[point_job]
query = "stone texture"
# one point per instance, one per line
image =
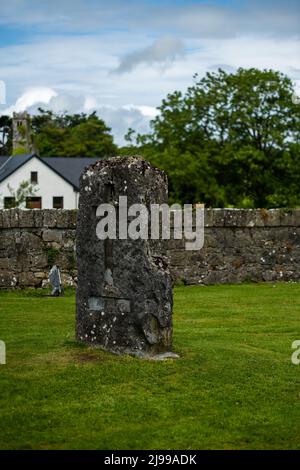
(124, 295)
(251, 245)
(52, 235)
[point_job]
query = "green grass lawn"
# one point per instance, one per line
(234, 386)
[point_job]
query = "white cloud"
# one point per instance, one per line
(147, 111)
(118, 118)
(73, 72)
(30, 98)
(90, 103)
(74, 75)
(82, 66)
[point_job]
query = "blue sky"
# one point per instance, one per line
(122, 57)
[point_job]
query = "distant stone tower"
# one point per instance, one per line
(22, 140)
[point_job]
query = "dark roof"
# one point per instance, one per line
(69, 168)
(11, 164)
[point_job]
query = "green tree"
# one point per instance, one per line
(77, 135)
(240, 132)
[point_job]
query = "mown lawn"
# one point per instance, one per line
(234, 386)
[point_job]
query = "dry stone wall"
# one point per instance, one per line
(31, 242)
(240, 245)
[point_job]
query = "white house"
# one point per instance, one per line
(55, 180)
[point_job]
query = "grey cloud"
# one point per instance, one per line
(163, 50)
(65, 15)
(255, 17)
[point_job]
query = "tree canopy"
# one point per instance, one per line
(232, 139)
(65, 135)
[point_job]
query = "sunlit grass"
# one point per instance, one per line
(234, 385)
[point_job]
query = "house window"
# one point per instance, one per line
(33, 203)
(58, 202)
(34, 177)
(9, 202)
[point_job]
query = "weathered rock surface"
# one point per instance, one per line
(124, 295)
(239, 245)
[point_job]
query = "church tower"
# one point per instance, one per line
(22, 140)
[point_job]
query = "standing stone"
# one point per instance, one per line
(124, 296)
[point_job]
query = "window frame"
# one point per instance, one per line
(37, 177)
(12, 199)
(38, 198)
(62, 200)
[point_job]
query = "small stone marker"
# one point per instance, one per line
(124, 295)
(55, 280)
